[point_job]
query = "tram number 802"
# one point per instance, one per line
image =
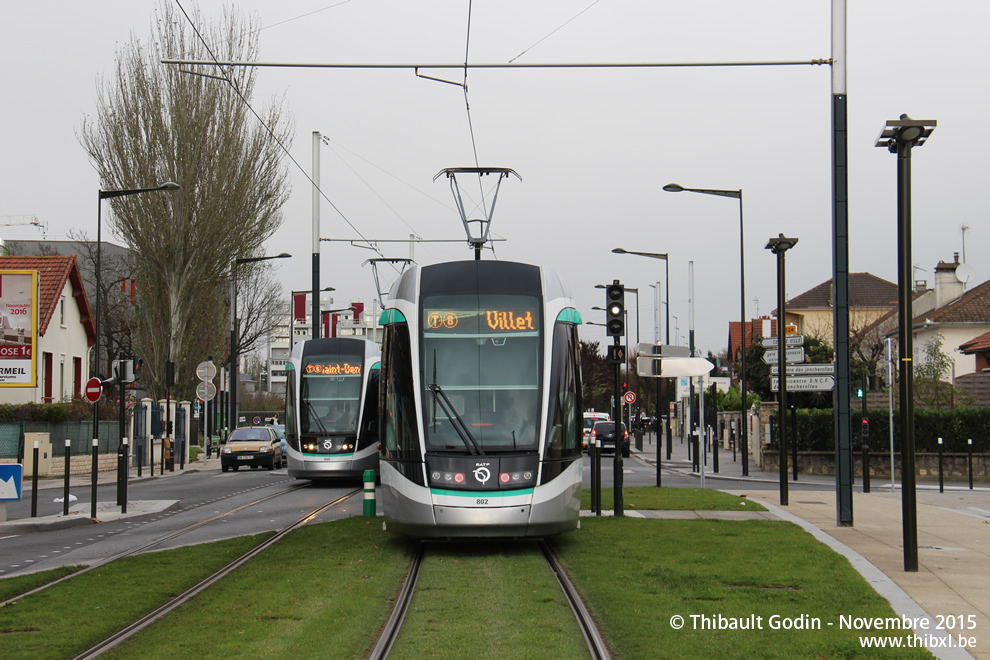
(482, 500)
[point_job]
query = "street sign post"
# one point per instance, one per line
(790, 340)
(805, 369)
(793, 354)
(94, 388)
(804, 383)
(206, 390)
(663, 350)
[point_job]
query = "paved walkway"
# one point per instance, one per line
(953, 577)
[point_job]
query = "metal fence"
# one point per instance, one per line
(80, 435)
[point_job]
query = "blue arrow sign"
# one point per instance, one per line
(11, 475)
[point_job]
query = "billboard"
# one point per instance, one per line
(18, 328)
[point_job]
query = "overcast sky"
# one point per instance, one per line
(593, 147)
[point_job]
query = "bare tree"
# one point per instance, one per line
(156, 123)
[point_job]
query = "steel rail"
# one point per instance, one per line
(193, 591)
(151, 544)
(596, 643)
(394, 624)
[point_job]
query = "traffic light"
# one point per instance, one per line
(615, 322)
(859, 392)
(866, 428)
(616, 354)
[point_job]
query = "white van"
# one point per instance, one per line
(589, 420)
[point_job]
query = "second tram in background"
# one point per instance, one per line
(481, 402)
(331, 408)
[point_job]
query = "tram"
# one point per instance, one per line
(331, 408)
(481, 402)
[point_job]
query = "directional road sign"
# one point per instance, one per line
(804, 383)
(793, 354)
(789, 340)
(11, 475)
(663, 350)
(685, 367)
(94, 387)
(805, 369)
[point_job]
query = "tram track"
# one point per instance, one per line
(158, 541)
(154, 616)
(597, 648)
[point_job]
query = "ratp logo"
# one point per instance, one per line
(482, 475)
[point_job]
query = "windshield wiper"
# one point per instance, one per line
(463, 432)
(313, 415)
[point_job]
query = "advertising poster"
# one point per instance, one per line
(18, 327)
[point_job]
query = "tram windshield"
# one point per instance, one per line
(330, 394)
(481, 372)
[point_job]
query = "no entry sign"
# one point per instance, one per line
(94, 388)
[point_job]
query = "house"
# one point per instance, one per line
(66, 330)
(760, 327)
(870, 298)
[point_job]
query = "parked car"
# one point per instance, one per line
(254, 446)
(589, 420)
(604, 434)
(280, 432)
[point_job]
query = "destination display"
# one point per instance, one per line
(333, 368)
(492, 320)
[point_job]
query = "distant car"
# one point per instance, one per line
(254, 446)
(280, 432)
(589, 420)
(604, 434)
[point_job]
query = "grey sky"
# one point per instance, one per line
(594, 147)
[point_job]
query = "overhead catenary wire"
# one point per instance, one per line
(215, 62)
(558, 28)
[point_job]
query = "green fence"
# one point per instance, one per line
(80, 435)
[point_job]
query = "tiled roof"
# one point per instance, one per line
(976, 345)
(972, 307)
(53, 274)
(865, 291)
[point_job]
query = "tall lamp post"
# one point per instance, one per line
(235, 366)
(661, 405)
(107, 194)
(735, 194)
(900, 136)
(779, 246)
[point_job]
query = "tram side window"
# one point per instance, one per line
(291, 430)
(369, 419)
(563, 442)
(400, 436)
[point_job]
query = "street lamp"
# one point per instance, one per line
(899, 136)
(235, 366)
(107, 194)
(779, 246)
(666, 263)
(735, 194)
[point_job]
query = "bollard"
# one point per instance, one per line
(96, 465)
(715, 447)
(65, 488)
(127, 473)
(866, 468)
(969, 449)
(941, 483)
(120, 472)
(140, 459)
(182, 456)
(34, 483)
(369, 492)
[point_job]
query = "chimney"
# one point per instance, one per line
(947, 285)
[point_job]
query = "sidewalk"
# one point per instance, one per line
(953, 545)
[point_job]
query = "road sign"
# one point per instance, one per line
(206, 371)
(789, 340)
(94, 388)
(805, 369)
(11, 475)
(793, 354)
(629, 397)
(663, 350)
(804, 383)
(684, 367)
(206, 390)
